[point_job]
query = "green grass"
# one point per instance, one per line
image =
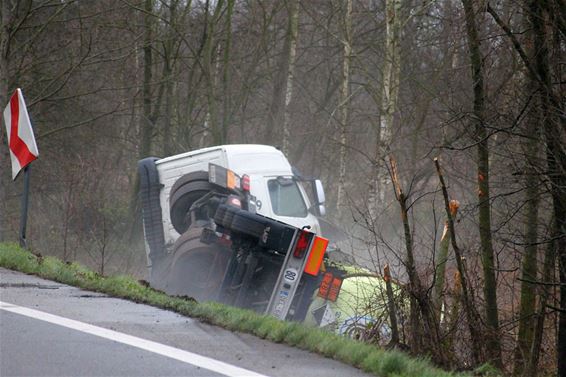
(364, 356)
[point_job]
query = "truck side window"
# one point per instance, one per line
(286, 198)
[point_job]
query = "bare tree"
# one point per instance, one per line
(278, 117)
(482, 137)
(343, 104)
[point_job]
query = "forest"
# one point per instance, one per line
(437, 126)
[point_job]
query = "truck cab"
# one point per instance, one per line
(224, 219)
(279, 194)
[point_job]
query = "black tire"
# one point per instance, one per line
(185, 191)
(197, 269)
(249, 224)
(151, 208)
(270, 234)
(224, 215)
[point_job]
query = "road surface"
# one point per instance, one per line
(50, 329)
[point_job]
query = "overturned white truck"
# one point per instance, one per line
(233, 223)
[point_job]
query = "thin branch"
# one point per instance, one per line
(545, 283)
(71, 126)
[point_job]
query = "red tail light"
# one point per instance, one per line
(330, 287)
(302, 244)
(246, 183)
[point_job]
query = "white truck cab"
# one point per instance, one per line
(278, 193)
(232, 223)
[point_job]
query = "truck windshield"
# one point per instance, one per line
(286, 198)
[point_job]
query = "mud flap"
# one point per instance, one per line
(151, 208)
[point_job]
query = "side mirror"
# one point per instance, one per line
(319, 192)
(319, 197)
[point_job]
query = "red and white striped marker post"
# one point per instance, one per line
(23, 149)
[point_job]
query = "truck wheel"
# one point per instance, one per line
(249, 224)
(271, 234)
(197, 269)
(185, 191)
(224, 215)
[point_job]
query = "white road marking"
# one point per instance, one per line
(148, 345)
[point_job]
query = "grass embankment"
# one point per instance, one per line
(366, 357)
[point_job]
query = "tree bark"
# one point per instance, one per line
(276, 117)
(554, 129)
(168, 56)
(551, 105)
(391, 72)
(210, 73)
(529, 266)
(4, 73)
(467, 297)
(343, 105)
(146, 123)
(389, 98)
(431, 332)
(440, 269)
(293, 35)
(487, 255)
(391, 307)
(548, 273)
(529, 263)
(226, 78)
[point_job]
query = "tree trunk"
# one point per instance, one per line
(168, 47)
(555, 137)
(391, 307)
(277, 107)
(4, 73)
(391, 72)
(211, 75)
(293, 35)
(529, 267)
(490, 284)
(548, 273)
(226, 78)
(343, 105)
(467, 297)
(454, 313)
(146, 123)
(554, 131)
(529, 262)
(441, 264)
(431, 332)
(389, 98)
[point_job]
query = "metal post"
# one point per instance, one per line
(24, 208)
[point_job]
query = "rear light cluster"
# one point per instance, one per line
(246, 183)
(314, 260)
(302, 244)
(330, 287)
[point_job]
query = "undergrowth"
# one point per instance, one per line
(364, 356)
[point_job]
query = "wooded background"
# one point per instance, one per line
(363, 94)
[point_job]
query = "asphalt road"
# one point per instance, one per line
(50, 329)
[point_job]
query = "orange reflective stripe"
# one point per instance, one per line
(316, 255)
